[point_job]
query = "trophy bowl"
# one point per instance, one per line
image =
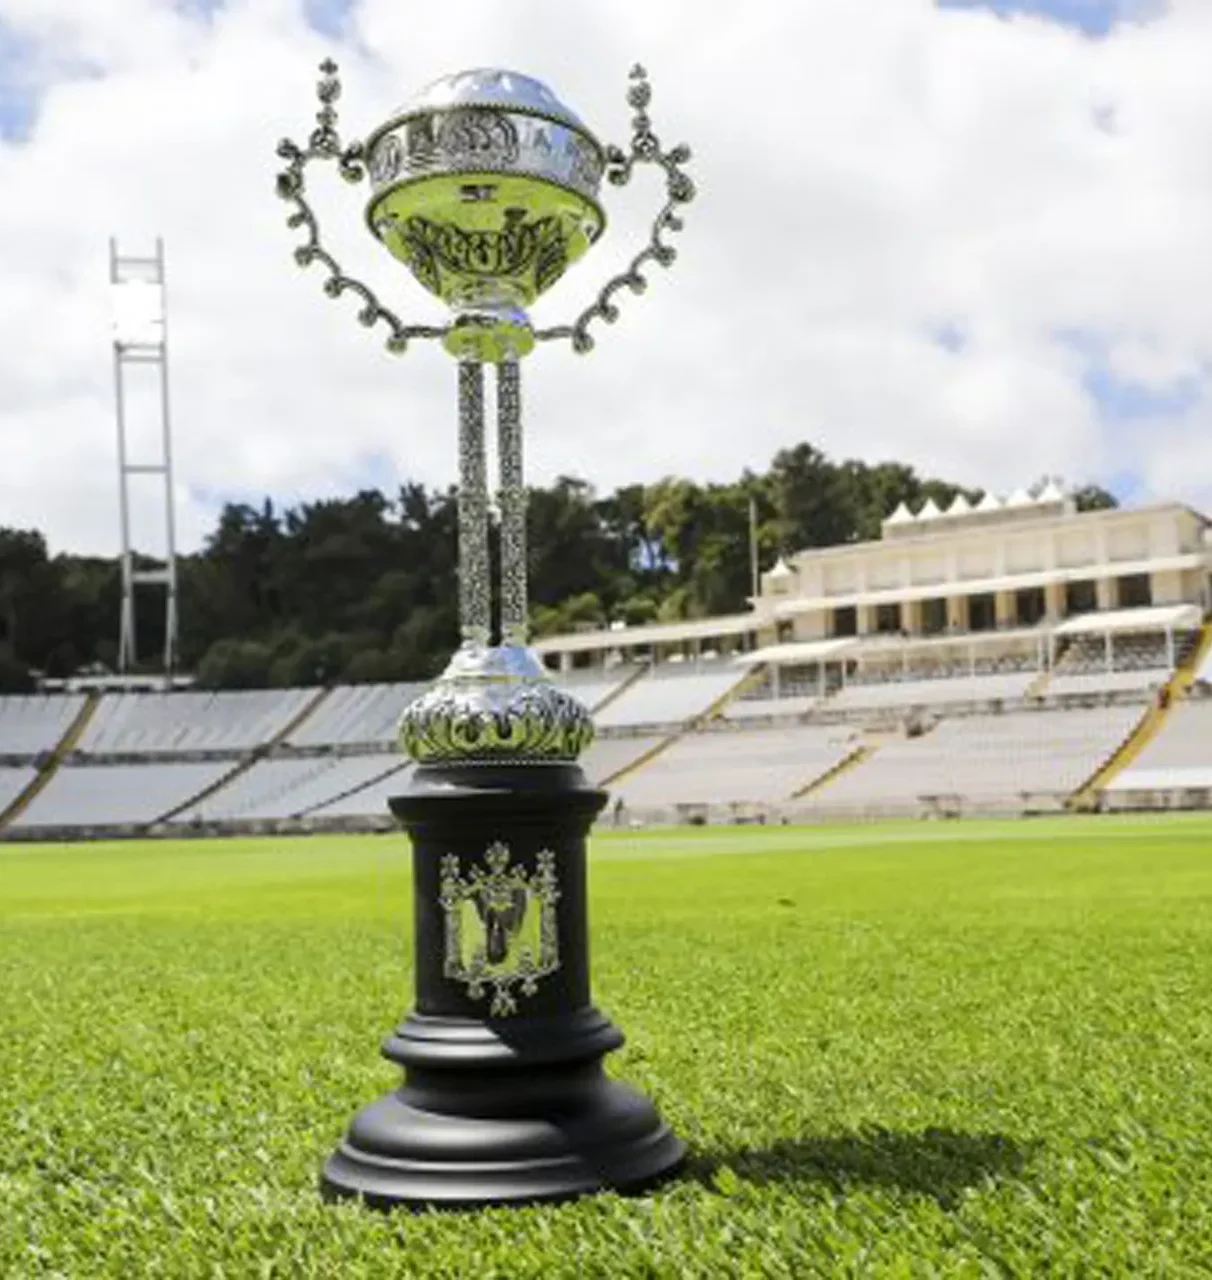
(485, 185)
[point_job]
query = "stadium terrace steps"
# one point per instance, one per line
(1174, 734)
(370, 799)
(723, 688)
(607, 691)
(672, 697)
(356, 715)
(225, 779)
(289, 787)
(718, 710)
(1201, 657)
(1178, 756)
(674, 734)
(607, 758)
(188, 720)
(1000, 760)
(31, 723)
(852, 761)
(749, 709)
(646, 756)
(990, 687)
(100, 795)
(1136, 781)
(85, 709)
(1038, 688)
(1119, 758)
(729, 766)
(1087, 683)
(14, 782)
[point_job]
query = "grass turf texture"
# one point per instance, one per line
(971, 1049)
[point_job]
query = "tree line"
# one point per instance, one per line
(363, 589)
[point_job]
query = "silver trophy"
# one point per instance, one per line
(486, 187)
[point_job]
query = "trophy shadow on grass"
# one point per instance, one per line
(938, 1163)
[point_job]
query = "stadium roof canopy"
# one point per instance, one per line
(988, 586)
(1157, 618)
(787, 654)
(650, 633)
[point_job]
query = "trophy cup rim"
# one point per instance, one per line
(558, 113)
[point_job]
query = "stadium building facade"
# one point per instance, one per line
(1003, 583)
(1016, 657)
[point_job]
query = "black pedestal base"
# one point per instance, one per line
(513, 1109)
(506, 1131)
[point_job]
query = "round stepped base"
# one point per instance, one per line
(504, 1099)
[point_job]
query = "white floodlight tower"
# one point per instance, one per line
(141, 338)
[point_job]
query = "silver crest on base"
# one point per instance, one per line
(501, 931)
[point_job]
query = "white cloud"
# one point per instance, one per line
(869, 171)
(1144, 363)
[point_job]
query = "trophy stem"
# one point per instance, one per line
(512, 502)
(475, 582)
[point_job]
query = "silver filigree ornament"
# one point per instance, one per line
(324, 143)
(495, 705)
(502, 933)
(679, 190)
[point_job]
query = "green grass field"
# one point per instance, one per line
(971, 1049)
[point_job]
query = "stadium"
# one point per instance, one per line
(865, 937)
(1006, 657)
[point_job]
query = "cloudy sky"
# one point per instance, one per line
(974, 237)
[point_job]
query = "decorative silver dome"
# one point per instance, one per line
(491, 87)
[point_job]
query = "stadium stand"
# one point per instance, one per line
(669, 695)
(736, 766)
(758, 708)
(147, 723)
(1004, 657)
(112, 794)
(356, 714)
(1179, 756)
(30, 723)
(1204, 671)
(606, 756)
(1092, 683)
(13, 781)
(369, 801)
(920, 693)
(1160, 782)
(594, 687)
(992, 761)
(286, 788)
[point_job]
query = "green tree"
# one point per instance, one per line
(1093, 497)
(32, 602)
(235, 664)
(569, 551)
(15, 676)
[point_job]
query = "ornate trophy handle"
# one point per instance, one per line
(679, 189)
(325, 144)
